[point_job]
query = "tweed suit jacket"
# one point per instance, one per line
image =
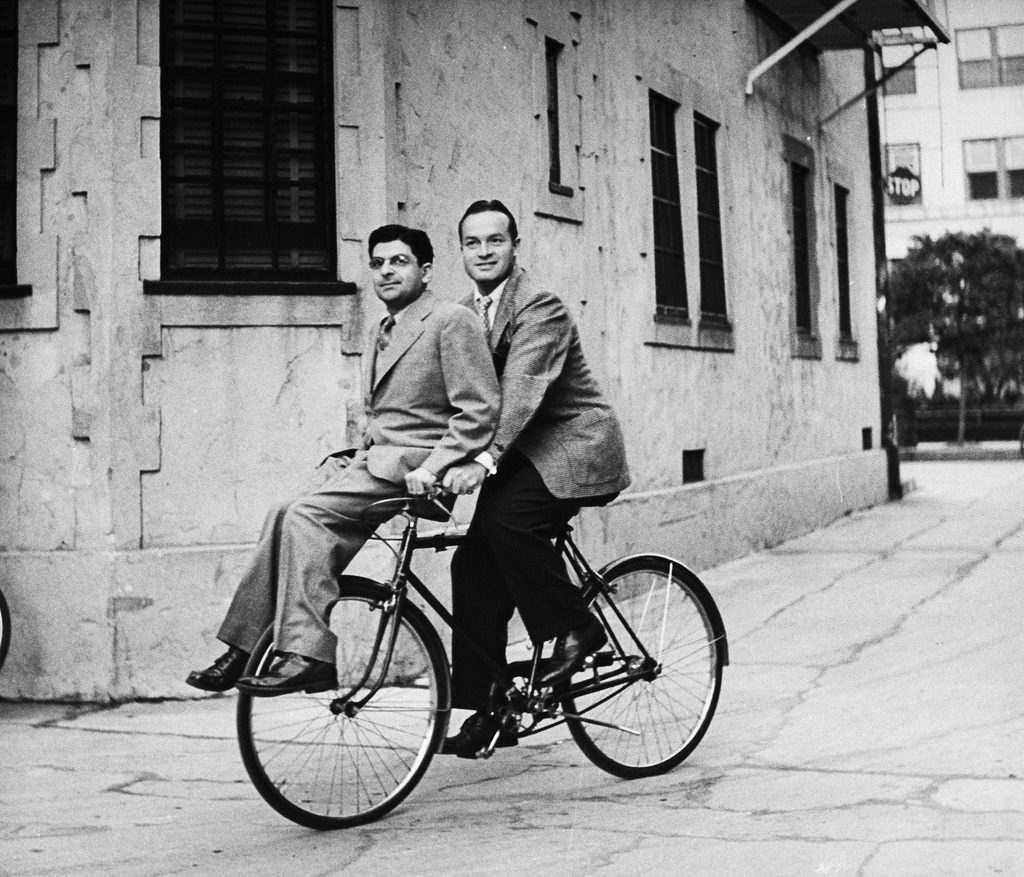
(552, 408)
(432, 397)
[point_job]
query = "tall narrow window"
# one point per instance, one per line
(843, 262)
(709, 220)
(8, 139)
(552, 52)
(246, 140)
(799, 176)
(669, 267)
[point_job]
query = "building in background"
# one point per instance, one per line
(953, 128)
(186, 187)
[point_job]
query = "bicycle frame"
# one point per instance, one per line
(403, 577)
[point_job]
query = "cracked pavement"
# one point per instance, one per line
(870, 724)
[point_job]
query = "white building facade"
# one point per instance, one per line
(186, 197)
(953, 127)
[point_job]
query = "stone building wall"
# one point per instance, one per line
(143, 435)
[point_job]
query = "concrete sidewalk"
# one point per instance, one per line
(870, 724)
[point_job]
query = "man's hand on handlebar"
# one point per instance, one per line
(420, 481)
(465, 478)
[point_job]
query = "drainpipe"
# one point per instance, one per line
(885, 357)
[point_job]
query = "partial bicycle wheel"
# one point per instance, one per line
(656, 718)
(328, 769)
(5, 629)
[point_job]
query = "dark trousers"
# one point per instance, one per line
(509, 561)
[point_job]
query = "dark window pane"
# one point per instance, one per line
(669, 264)
(8, 140)
(1011, 70)
(242, 51)
(1016, 178)
(190, 49)
(904, 81)
(189, 201)
(982, 186)
(801, 246)
(294, 204)
(244, 203)
(196, 13)
(191, 128)
(709, 223)
(977, 74)
(552, 51)
(249, 14)
(297, 15)
(843, 262)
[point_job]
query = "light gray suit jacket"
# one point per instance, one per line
(552, 409)
(432, 397)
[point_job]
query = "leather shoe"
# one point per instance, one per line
(289, 673)
(571, 650)
(476, 734)
(222, 674)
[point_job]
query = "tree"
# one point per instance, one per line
(965, 294)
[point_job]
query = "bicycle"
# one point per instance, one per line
(345, 757)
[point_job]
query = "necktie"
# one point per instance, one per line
(483, 307)
(384, 336)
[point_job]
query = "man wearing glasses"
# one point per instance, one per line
(432, 401)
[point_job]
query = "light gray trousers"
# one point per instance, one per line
(305, 545)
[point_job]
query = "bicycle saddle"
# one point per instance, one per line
(438, 508)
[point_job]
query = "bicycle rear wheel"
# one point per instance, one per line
(668, 701)
(326, 770)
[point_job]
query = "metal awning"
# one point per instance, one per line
(853, 26)
(831, 25)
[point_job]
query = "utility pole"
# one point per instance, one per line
(885, 357)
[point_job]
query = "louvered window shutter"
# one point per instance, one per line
(247, 163)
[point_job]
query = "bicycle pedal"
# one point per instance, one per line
(599, 659)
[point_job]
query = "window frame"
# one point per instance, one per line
(9, 286)
(841, 202)
(711, 249)
(801, 225)
(320, 236)
(554, 80)
(904, 80)
(1001, 174)
(1000, 72)
(671, 299)
(553, 51)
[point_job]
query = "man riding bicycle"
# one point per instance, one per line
(432, 401)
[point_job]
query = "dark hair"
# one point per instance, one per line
(414, 238)
(494, 206)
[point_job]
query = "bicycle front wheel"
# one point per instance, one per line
(667, 640)
(329, 769)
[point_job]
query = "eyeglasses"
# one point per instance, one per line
(399, 261)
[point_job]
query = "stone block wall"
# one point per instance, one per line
(143, 435)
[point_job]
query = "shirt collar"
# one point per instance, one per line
(495, 295)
